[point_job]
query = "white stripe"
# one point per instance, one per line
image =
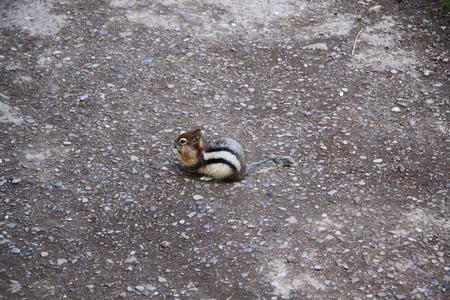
(226, 155)
(216, 170)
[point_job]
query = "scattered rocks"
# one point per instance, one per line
(90, 190)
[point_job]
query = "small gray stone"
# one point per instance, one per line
(166, 244)
(317, 46)
(61, 261)
(11, 225)
(140, 288)
(130, 260)
(198, 197)
(148, 60)
(15, 287)
(355, 279)
(15, 250)
(214, 260)
(16, 180)
(102, 32)
(48, 186)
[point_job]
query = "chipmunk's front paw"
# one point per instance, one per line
(206, 178)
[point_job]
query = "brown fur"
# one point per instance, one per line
(189, 152)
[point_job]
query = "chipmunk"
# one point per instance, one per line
(221, 159)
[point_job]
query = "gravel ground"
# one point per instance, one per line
(95, 206)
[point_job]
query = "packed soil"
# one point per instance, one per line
(94, 204)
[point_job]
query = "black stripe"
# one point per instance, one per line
(218, 149)
(220, 161)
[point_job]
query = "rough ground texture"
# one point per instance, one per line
(95, 206)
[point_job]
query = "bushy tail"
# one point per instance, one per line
(269, 164)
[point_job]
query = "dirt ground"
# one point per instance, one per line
(93, 203)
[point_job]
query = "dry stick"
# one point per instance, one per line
(356, 40)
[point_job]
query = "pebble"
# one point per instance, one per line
(15, 287)
(148, 60)
(329, 237)
(162, 279)
(101, 32)
(375, 9)
(317, 46)
(84, 97)
(130, 260)
(197, 197)
(378, 160)
(318, 267)
(332, 192)
(48, 186)
(15, 250)
(395, 109)
(357, 199)
(150, 287)
(214, 260)
(400, 168)
(11, 225)
(61, 261)
(16, 180)
(44, 254)
(166, 244)
(140, 288)
(355, 279)
(291, 220)
(59, 184)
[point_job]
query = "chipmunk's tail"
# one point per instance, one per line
(269, 164)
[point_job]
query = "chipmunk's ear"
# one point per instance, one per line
(198, 138)
(199, 132)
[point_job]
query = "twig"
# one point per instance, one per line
(356, 40)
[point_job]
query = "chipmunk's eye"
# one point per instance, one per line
(182, 141)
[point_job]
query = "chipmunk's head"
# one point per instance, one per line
(189, 146)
